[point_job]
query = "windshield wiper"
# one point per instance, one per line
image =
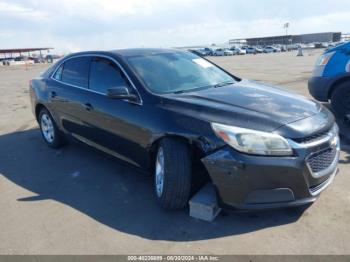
(204, 87)
(179, 92)
(226, 83)
(190, 90)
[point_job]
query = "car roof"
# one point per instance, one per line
(144, 51)
(130, 52)
(338, 47)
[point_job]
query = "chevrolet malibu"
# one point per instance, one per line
(187, 120)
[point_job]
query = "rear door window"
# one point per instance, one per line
(58, 74)
(105, 74)
(76, 72)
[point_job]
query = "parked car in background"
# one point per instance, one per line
(202, 52)
(219, 52)
(238, 51)
(293, 47)
(277, 48)
(319, 45)
(5, 61)
(259, 50)
(228, 52)
(20, 58)
(171, 112)
(284, 48)
(330, 79)
(199, 52)
(208, 51)
(269, 49)
(251, 50)
(37, 59)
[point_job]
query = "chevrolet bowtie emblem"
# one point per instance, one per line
(334, 141)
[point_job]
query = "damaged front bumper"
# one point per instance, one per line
(258, 182)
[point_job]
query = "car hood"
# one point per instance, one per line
(345, 45)
(246, 104)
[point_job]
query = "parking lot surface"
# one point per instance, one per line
(79, 201)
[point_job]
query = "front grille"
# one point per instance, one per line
(321, 160)
(312, 138)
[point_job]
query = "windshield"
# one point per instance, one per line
(177, 72)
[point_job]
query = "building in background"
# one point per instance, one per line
(289, 39)
(345, 37)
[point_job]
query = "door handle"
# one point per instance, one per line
(88, 106)
(53, 94)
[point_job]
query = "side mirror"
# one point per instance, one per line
(120, 92)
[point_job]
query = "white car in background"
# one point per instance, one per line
(238, 51)
(251, 50)
(277, 49)
(259, 50)
(219, 52)
(269, 49)
(228, 51)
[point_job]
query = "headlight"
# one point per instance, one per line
(324, 59)
(336, 129)
(252, 141)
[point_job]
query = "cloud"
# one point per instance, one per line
(100, 10)
(109, 24)
(9, 10)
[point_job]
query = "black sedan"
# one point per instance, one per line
(187, 120)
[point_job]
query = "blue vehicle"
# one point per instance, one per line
(331, 79)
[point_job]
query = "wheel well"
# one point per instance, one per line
(199, 173)
(336, 83)
(38, 108)
(155, 144)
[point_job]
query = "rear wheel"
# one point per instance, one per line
(51, 134)
(172, 176)
(340, 100)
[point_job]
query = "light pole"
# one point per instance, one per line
(286, 26)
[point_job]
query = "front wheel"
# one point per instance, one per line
(172, 176)
(340, 100)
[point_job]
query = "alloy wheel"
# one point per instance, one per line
(47, 128)
(159, 172)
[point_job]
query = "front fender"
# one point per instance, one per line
(337, 80)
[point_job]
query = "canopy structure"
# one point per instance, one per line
(19, 51)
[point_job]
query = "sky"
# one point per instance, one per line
(76, 25)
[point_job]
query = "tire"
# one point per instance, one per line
(173, 191)
(49, 130)
(340, 100)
